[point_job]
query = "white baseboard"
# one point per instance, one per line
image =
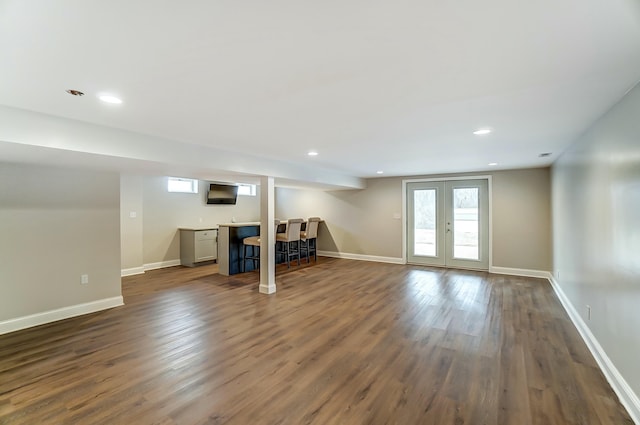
(161, 264)
(348, 256)
(626, 395)
(150, 266)
(519, 272)
(397, 260)
(132, 271)
(37, 319)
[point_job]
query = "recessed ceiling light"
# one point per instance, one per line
(493, 163)
(73, 92)
(110, 99)
(379, 172)
(312, 153)
(482, 131)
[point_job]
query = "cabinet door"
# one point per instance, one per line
(205, 245)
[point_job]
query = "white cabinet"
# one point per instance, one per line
(205, 245)
(198, 245)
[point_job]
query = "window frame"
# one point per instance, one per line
(176, 180)
(252, 189)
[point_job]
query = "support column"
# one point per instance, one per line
(267, 236)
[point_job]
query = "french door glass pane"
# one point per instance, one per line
(424, 204)
(465, 223)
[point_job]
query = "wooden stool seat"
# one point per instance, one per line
(254, 255)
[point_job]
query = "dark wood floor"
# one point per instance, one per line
(341, 342)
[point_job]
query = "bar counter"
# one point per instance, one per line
(230, 246)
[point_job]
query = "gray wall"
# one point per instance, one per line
(356, 221)
(596, 216)
(362, 221)
(522, 219)
(57, 224)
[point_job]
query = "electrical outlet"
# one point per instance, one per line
(588, 312)
(133, 214)
(84, 279)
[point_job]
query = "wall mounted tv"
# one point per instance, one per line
(222, 194)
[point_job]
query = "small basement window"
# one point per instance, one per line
(246, 189)
(178, 184)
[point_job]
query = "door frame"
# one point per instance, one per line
(442, 179)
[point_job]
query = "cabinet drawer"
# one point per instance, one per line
(205, 235)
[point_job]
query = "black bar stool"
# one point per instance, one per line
(253, 242)
(308, 238)
(290, 240)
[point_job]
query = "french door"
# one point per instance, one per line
(448, 223)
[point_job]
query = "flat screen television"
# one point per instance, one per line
(222, 194)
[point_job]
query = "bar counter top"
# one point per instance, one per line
(248, 223)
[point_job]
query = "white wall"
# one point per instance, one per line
(596, 238)
(153, 236)
(56, 225)
(362, 222)
(27, 134)
(131, 215)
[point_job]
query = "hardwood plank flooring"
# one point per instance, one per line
(341, 342)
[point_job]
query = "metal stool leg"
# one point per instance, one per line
(288, 254)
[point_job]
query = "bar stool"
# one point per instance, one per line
(290, 240)
(308, 238)
(254, 243)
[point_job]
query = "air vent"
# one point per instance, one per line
(73, 92)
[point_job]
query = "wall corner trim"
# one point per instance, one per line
(519, 272)
(49, 316)
(624, 392)
(361, 257)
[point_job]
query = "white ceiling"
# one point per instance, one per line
(371, 85)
